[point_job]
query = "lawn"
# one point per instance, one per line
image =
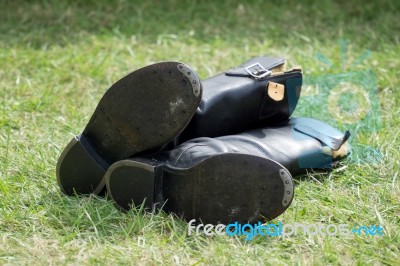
(57, 58)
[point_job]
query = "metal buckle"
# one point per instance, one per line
(257, 71)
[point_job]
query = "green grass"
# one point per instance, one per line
(57, 58)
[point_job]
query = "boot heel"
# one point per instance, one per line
(129, 182)
(80, 168)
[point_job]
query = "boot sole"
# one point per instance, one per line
(224, 188)
(144, 110)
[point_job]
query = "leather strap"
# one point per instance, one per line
(332, 142)
(254, 68)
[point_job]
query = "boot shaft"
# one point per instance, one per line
(252, 95)
(297, 144)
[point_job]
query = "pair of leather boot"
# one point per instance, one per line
(220, 150)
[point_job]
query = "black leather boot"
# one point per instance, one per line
(244, 177)
(142, 111)
(252, 95)
(255, 94)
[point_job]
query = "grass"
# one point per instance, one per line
(57, 58)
